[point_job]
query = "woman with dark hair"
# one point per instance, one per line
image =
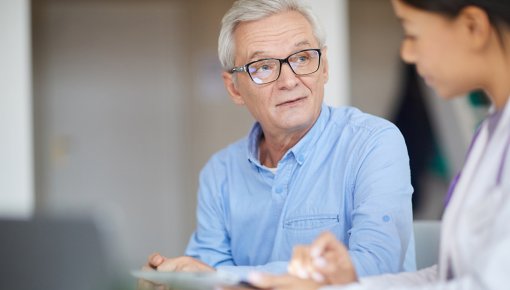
(457, 46)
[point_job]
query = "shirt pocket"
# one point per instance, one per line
(311, 222)
(304, 229)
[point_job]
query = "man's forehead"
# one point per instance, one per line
(261, 53)
(276, 34)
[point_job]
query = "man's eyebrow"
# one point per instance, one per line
(261, 52)
(256, 53)
(303, 43)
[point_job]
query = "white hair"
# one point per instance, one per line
(252, 10)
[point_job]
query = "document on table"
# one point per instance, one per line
(191, 280)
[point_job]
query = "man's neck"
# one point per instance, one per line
(273, 148)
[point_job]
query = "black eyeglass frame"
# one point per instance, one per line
(244, 68)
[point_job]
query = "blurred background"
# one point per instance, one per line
(110, 108)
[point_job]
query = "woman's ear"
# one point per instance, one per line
(231, 86)
(477, 25)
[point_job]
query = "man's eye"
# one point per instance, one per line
(260, 68)
(303, 58)
(300, 58)
(264, 68)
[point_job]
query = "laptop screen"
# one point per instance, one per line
(52, 254)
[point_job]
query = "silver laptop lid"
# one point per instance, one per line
(52, 254)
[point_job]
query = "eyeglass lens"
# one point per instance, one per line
(268, 70)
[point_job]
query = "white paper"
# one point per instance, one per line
(188, 280)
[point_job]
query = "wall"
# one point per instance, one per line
(374, 40)
(16, 165)
(111, 83)
(334, 17)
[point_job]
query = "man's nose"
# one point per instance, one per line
(287, 79)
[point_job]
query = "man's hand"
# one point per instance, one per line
(148, 285)
(326, 260)
(162, 263)
(179, 264)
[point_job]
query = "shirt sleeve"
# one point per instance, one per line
(381, 237)
(210, 243)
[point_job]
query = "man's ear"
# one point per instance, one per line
(324, 63)
(477, 25)
(228, 80)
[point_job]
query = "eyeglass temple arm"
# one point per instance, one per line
(238, 69)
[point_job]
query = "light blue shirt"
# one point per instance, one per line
(349, 175)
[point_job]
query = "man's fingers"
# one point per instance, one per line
(184, 264)
(169, 265)
(155, 259)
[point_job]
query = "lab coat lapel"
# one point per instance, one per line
(475, 198)
(451, 215)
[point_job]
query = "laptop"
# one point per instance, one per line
(53, 254)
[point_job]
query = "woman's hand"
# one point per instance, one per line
(286, 282)
(326, 260)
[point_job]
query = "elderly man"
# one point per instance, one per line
(304, 167)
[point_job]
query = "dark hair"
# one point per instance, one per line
(498, 11)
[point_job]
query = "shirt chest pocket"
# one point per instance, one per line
(304, 229)
(311, 222)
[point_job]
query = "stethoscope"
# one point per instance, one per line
(502, 162)
(455, 180)
(453, 184)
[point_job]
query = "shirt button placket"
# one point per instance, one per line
(278, 185)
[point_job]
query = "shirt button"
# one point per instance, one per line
(279, 189)
(301, 158)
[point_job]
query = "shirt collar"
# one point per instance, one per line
(253, 143)
(301, 150)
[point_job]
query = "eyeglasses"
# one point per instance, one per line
(267, 70)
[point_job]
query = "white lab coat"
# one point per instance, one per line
(475, 235)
